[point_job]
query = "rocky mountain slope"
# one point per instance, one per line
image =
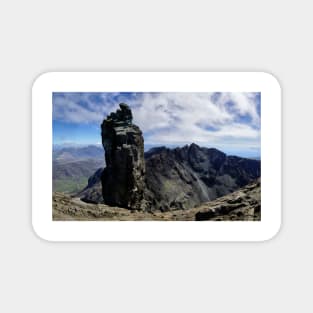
(241, 205)
(183, 178)
(92, 193)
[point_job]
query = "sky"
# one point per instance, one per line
(223, 120)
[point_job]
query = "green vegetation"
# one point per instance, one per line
(70, 185)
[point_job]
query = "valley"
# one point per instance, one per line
(72, 167)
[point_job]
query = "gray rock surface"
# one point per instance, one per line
(92, 193)
(183, 178)
(242, 205)
(123, 179)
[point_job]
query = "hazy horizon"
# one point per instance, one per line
(58, 146)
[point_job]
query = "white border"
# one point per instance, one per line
(50, 230)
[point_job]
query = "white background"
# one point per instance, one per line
(51, 82)
(272, 36)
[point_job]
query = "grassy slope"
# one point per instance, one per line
(72, 177)
(70, 185)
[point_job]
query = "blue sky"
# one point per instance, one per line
(224, 120)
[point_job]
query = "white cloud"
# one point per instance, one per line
(68, 107)
(179, 118)
(244, 104)
(195, 117)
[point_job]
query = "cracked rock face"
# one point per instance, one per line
(123, 179)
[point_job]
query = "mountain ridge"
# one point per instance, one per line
(184, 177)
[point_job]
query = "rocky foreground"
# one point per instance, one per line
(241, 205)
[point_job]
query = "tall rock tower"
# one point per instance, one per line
(123, 179)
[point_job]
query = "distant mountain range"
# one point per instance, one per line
(72, 153)
(182, 178)
(72, 166)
